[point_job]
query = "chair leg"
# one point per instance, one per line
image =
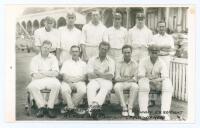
(28, 105)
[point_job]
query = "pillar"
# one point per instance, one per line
(159, 14)
(167, 16)
(180, 17)
(145, 14)
(127, 18)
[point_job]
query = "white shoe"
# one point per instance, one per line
(131, 113)
(167, 117)
(144, 115)
(125, 113)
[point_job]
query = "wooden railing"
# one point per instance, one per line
(178, 75)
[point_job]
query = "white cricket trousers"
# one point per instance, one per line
(91, 51)
(45, 83)
(133, 91)
(144, 89)
(116, 54)
(101, 85)
(74, 99)
(64, 55)
(167, 60)
(139, 53)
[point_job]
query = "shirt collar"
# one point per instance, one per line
(106, 58)
(95, 25)
(162, 35)
(75, 61)
(49, 56)
(130, 62)
(144, 27)
(118, 28)
(70, 29)
(158, 59)
(46, 30)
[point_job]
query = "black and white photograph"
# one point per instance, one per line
(102, 63)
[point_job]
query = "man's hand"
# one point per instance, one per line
(76, 79)
(92, 76)
(98, 73)
(124, 79)
(72, 86)
(103, 75)
(156, 82)
(152, 77)
(49, 73)
(132, 80)
(38, 76)
(66, 79)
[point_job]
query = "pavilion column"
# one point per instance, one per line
(114, 10)
(167, 16)
(145, 14)
(127, 17)
(102, 16)
(179, 17)
(159, 14)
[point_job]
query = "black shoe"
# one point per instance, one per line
(51, 113)
(152, 103)
(96, 112)
(40, 113)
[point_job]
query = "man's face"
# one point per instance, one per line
(103, 50)
(161, 28)
(153, 54)
(127, 53)
(140, 22)
(75, 52)
(71, 19)
(49, 25)
(117, 21)
(95, 17)
(45, 49)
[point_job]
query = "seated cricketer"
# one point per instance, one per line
(126, 79)
(74, 76)
(44, 69)
(101, 70)
(153, 74)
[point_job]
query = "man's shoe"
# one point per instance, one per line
(40, 113)
(51, 113)
(80, 111)
(125, 113)
(166, 117)
(144, 116)
(131, 113)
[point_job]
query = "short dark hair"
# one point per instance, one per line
(127, 46)
(46, 42)
(75, 46)
(104, 43)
